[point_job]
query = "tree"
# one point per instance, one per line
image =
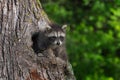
(18, 20)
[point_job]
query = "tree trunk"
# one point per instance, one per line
(18, 20)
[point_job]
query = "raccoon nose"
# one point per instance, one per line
(58, 43)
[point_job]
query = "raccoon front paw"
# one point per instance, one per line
(40, 55)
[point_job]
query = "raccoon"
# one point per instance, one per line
(51, 38)
(50, 42)
(56, 35)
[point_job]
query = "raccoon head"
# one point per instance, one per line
(56, 34)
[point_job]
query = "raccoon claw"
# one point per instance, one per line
(40, 55)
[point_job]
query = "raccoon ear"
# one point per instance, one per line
(64, 27)
(48, 28)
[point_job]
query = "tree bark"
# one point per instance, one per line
(18, 20)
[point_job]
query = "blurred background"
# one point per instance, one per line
(93, 36)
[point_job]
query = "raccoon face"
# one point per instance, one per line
(56, 36)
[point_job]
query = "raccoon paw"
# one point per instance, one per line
(40, 55)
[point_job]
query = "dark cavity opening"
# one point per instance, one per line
(40, 42)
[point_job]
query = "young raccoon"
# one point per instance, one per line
(56, 38)
(56, 35)
(53, 37)
(51, 42)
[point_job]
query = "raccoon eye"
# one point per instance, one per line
(61, 38)
(52, 38)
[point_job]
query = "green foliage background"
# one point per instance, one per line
(93, 37)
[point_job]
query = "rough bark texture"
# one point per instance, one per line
(18, 20)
